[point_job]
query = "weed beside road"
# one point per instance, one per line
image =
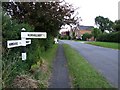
(82, 73)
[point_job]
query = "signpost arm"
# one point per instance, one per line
(23, 40)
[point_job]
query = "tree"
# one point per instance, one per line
(116, 25)
(104, 23)
(44, 16)
(96, 32)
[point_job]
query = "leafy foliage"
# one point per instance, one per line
(116, 25)
(95, 32)
(44, 16)
(39, 17)
(109, 37)
(104, 23)
(86, 35)
(11, 60)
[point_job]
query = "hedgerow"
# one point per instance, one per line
(109, 37)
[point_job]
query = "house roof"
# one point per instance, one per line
(81, 27)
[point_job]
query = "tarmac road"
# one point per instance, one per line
(104, 60)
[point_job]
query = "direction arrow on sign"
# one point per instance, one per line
(16, 43)
(33, 35)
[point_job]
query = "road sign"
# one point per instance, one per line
(16, 43)
(33, 35)
(23, 42)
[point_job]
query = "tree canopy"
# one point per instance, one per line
(104, 23)
(44, 16)
(116, 25)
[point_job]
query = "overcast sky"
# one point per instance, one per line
(89, 9)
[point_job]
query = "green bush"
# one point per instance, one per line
(109, 37)
(48, 43)
(12, 63)
(85, 36)
(65, 37)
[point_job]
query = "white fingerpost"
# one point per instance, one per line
(17, 43)
(23, 41)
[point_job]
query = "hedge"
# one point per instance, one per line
(109, 37)
(12, 65)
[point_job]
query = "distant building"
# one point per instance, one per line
(80, 30)
(64, 33)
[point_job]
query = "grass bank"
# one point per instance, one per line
(82, 73)
(17, 74)
(50, 54)
(44, 67)
(106, 44)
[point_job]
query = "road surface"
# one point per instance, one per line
(104, 60)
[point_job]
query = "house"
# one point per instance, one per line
(81, 29)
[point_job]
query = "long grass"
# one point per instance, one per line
(50, 54)
(44, 75)
(12, 65)
(82, 73)
(106, 44)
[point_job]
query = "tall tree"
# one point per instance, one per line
(104, 23)
(44, 16)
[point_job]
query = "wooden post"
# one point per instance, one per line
(23, 40)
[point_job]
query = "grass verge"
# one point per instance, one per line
(49, 55)
(17, 75)
(82, 73)
(106, 44)
(43, 75)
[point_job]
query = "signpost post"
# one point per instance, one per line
(23, 39)
(23, 42)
